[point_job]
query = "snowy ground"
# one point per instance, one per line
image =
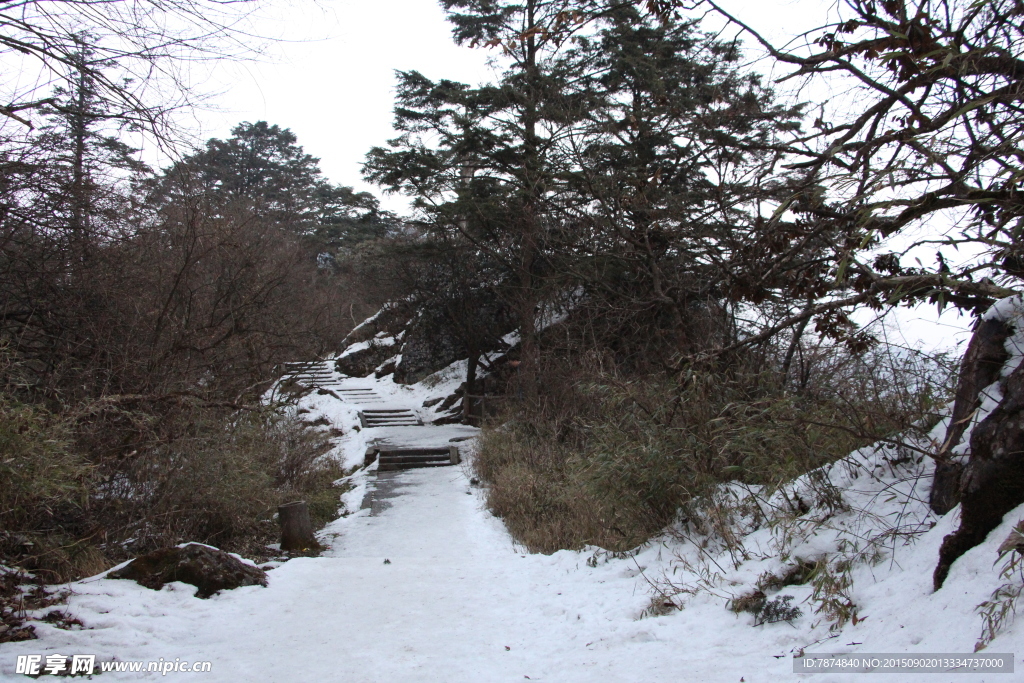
(457, 602)
(425, 585)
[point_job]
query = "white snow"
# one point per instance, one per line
(459, 601)
(1010, 310)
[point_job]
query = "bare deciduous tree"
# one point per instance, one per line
(931, 142)
(136, 53)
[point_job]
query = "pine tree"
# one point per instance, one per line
(666, 170)
(613, 151)
(482, 162)
(83, 167)
(65, 197)
(262, 169)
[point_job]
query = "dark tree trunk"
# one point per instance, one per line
(532, 190)
(798, 334)
(467, 397)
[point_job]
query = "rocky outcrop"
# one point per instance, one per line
(375, 342)
(412, 344)
(427, 348)
(992, 482)
(362, 359)
(388, 321)
(208, 569)
(981, 366)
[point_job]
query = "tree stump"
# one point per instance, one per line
(296, 528)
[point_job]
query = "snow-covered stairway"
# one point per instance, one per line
(359, 394)
(388, 417)
(393, 433)
(315, 374)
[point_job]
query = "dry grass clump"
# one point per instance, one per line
(44, 493)
(39, 474)
(199, 474)
(609, 461)
(220, 481)
(546, 502)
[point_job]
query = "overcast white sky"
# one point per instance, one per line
(333, 83)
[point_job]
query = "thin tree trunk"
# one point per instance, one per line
(467, 397)
(79, 123)
(793, 345)
(532, 191)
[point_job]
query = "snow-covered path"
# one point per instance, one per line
(455, 603)
(458, 601)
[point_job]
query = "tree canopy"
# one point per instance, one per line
(262, 168)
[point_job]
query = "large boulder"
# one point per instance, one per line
(992, 483)
(362, 358)
(391, 319)
(208, 569)
(440, 335)
(428, 347)
(981, 366)
(375, 341)
(412, 344)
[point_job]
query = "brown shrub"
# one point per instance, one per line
(218, 480)
(606, 460)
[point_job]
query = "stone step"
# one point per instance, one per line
(388, 417)
(392, 458)
(309, 365)
(389, 450)
(359, 392)
(312, 369)
(409, 466)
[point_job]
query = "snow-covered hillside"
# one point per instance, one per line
(426, 585)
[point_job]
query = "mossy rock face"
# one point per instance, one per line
(208, 569)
